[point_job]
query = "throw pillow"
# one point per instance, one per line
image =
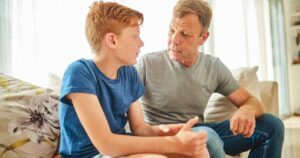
(29, 125)
(219, 108)
(54, 83)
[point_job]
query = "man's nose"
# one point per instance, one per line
(175, 38)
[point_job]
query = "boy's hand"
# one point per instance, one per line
(191, 143)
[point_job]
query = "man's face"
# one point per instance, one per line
(185, 36)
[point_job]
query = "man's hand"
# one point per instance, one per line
(243, 122)
(191, 143)
(169, 129)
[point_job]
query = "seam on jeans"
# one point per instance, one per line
(258, 132)
(266, 144)
(265, 148)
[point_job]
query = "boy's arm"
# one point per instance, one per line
(140, 128)
(97, 128)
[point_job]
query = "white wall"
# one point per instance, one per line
(293, 70)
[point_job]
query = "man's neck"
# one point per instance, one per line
(189, 62)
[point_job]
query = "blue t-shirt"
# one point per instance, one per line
(115, 97)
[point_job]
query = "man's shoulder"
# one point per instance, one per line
(209, 56)
(208, 59)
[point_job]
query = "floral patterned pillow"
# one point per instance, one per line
(29, 125)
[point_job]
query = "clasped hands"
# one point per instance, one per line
(192, 143)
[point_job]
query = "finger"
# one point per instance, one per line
(200, 148)
(190, 123)
(251, 130)
(241, 125)
(246, 128)
(234, 126)
(164, 128)
(203, 134)
(175, 127)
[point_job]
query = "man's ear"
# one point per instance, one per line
(204, 37)
(110, 40)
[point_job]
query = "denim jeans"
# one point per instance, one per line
(266, 141)
(214, 143)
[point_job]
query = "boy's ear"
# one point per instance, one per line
(110, 40)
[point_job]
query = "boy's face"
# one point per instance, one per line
(128, 45)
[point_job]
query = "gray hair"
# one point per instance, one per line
(198, 7)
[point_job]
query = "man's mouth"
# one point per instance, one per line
(175, 51)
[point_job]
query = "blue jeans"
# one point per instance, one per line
(265, 142)
(214, 143)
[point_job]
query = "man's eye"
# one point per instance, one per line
(184, 34)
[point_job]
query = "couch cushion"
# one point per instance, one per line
(219, 107)
(29, 124)
(54, 83)
(269, 96)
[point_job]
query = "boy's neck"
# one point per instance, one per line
(107, 66)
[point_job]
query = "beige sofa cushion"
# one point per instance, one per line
(269, 96)
(54, 83)
(219, 107)
(29, 124)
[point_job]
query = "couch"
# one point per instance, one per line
(29, 126)
(29, 122)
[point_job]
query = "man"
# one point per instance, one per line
(179, 82)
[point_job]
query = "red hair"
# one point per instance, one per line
(105, 17)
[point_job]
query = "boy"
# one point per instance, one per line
(98, 96)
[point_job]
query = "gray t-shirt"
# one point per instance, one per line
(175, 93)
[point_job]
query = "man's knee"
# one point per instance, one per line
(274, 124)
(214, 142)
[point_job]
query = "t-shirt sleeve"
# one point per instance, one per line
(77, 79)
(226, 82)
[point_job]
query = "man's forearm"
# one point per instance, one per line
(254, 105)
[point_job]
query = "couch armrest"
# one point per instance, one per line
(269, 96)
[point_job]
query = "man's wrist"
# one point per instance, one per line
(156, 131)
(248, 108)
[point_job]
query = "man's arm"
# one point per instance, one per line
(243, 121)
(243, 99)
